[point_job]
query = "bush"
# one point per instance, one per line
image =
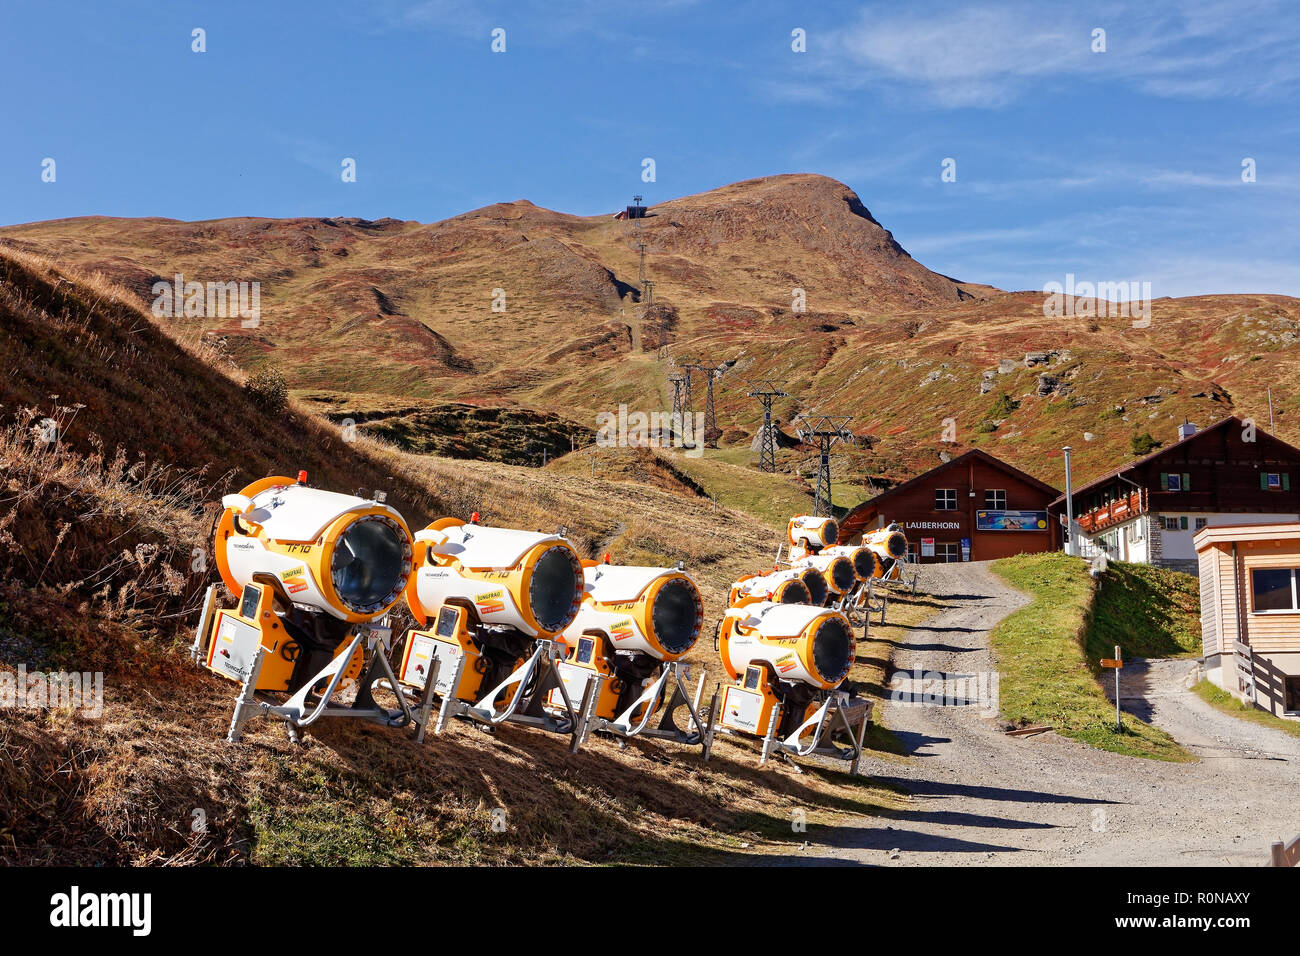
(267, 388)
(1003, 407)
(1143, 444)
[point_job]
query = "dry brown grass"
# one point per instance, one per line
(97, 554)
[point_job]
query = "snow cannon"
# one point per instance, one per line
(314, 572)
(785, 586)
(624, 651)
(790, 662)
(836, 570)
(889, 543)
(866, 565)
(499, 600)
(815, 582)
(811, 533)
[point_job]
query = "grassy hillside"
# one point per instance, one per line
(1047, 677)
(99, 571)
(1149, 612)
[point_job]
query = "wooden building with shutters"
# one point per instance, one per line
(1149, 510)
(1250, 612)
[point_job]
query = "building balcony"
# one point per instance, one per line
(1117, 512)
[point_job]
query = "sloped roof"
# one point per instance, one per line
(855, 520)
(1138, 462)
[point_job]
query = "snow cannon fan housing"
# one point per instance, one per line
(800, 643)
(866, 564)
(654, 611)
(781, 587)
(815, 582)
(812, 534)
(345, 556)
(837, 571)
(887, 542)
(527, 581)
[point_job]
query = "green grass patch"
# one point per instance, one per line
(1045, 675)
(1149, 612)
(771, 498)
(327, 819)
(1220, 699)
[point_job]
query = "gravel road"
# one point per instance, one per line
(981, 797)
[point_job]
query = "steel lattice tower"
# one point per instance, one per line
(826, 430)
(710, 415)
(767, 392)
(681, 389)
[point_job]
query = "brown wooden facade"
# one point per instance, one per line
(1148, 510)
(945, 504)
(1221, 469)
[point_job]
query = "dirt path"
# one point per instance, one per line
(982, 797)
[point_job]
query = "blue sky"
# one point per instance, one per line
(1116, 165)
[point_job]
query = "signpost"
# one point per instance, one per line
(1115, 663)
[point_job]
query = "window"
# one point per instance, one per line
(1292, 703)
(1169, 522)
(1273, 589)
(1274, 481)
(995, 499)
(947, 551)
(1201, 523)
(1173, 481)
(945, 499)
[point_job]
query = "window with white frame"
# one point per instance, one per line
(1169, 522)
(1273, 590)
(995, 499)
(945, 499)
(947, 551)
(1201, 523)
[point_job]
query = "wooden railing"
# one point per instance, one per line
(1286, 854)
(1121, 509)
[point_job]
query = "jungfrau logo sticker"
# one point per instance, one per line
(295, 579)
(786, 663)
(490, 602)
(621, 630)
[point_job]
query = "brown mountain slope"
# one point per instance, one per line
(416, 301)
(404, 309)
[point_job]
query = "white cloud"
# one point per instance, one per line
(989, 56)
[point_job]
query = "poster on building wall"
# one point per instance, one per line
(965, 549)
(927, 547)
(1011, 521)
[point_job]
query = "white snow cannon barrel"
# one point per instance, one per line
(800, 643)
(524, 580)
(811, 533)
(785, 586)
